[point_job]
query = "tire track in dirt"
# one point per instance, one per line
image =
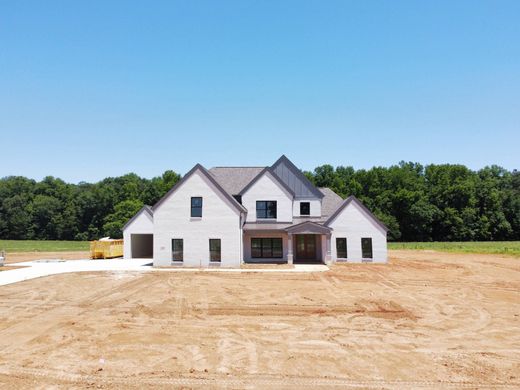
(246, 380)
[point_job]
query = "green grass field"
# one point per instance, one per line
(497, 247)
(500, 247)
(43, 246)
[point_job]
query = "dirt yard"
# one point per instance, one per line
(425, 320)
(18, 257)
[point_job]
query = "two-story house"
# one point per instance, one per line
(226, 216)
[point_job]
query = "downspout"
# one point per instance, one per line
(241, 228)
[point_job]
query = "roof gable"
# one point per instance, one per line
(205, 173)
(295, 179)
(145, 209)
(276, 179)
(353, 199)
(308, 227)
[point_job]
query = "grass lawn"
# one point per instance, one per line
(43, 246)
(499, 247)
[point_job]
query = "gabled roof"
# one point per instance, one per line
(295, 179)
(349, 200)
(308, 227)
(147, 209)
(234, 179)
(210, 177)
(275, 177)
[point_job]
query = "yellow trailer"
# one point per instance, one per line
(106, 249)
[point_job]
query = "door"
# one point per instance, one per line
(305, 247)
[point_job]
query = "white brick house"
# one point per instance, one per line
(226, 216)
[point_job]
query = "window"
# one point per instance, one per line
(366, 248)
(305, 208)
(238, 198)
(265, 209)
(214, 249)
(196, 207)
(267, 248)
(341, 247)
(177, 249)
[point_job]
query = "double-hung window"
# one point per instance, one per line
(196, 207)
(266, 209)
(214, 249)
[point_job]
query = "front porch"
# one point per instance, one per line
(304, 243)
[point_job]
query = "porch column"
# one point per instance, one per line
(328, 256)
(289, 249)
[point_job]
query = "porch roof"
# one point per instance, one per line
(305, 227)
(308, 227)
(270, 226)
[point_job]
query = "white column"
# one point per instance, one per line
(289, 249)
(328, 257)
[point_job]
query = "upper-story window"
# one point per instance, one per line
(266, 209)
(196, 207)
(305, 208)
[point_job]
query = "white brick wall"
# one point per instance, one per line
(219, 220)
(353, 223)
(266, 188)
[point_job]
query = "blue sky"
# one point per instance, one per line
(101, 88)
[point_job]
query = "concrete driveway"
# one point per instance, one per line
(40, 268)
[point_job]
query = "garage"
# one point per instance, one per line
(141, 246)
(138, 235)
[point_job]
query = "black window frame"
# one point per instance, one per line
(263, 207)
(367, 252)
(266, 248)
(181, 257)
(196, 211)
(215, 255)
(338, 253)
(306, 205)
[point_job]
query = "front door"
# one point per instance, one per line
(305, 247)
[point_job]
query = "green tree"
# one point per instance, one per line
(114, 222)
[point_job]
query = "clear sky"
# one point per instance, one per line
(90, 89)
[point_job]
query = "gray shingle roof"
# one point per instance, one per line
(330, 202)
(248, 226)
(234, 179)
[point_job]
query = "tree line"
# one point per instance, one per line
(418, 203)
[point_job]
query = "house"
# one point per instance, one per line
(226, 216)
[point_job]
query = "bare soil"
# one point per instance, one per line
(425, 320)
(18, 257)
(8, 267)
